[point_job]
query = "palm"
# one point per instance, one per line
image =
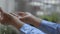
(25, 17)
(6, 17)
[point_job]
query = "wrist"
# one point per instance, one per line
(18, 24)
(36, 21)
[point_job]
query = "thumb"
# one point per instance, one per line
(1, 9)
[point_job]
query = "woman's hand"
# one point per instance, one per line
(9, 19)
(29, 18)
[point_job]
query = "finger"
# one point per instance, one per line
(25, 16)
(28, 14)
(22, 14)
(2, 12)
(14, 14)
(1, 9)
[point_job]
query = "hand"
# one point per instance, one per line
(11, 20)
(1, 15)
(7, 18)
(25, 17)
(29, 18)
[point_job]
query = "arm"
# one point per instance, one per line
(30, 19)
(48, 26)
(27, 29)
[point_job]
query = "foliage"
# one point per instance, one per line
(7, 30)
(54, 17)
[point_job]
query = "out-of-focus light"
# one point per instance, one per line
(51, 1)
(40, 13)
(35, 3)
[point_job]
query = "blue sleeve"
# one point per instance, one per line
(50, 27)
(27, 29)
